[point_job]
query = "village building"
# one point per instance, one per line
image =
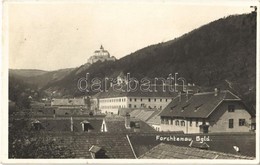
(126, 124)
(70, 106)
(149, 116)
(101, 55)
(218, 111)
(119, 97)
(113, 100)
(68, 124)
(120, 137)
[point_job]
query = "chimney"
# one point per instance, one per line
(71, 124)
(54, 113)
(188, 95)
(127, 121)
(216, 91)
(179, 95)
(137, 127)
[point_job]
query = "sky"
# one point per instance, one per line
(51, 36)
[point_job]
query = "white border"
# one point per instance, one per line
(4, 90)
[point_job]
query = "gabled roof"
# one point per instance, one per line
(167, 151)
(117, 125)
(200, 105)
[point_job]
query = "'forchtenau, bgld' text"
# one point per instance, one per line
(180, 138)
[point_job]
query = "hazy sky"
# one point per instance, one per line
(52, 36)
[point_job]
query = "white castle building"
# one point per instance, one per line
(101, 55)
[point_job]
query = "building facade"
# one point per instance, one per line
(219, 111)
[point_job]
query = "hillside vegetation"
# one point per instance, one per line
(219, 54)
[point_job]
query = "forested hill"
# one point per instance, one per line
(219, 54)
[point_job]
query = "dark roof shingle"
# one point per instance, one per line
(117, 125)
(220, 142)
(167, 151)
(200, 105)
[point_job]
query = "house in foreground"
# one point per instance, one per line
(218, 111)
(168, 151)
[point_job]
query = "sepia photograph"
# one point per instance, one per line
(160, 81)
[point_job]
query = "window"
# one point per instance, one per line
(160, 100)
(177, 122)
(85, 127)
(167, 121)
(197, 122)
(149, 100)
(135, 106)
(231, 123)
(129, 106)
(190, 122)
(242, 122)
(154, 100)
(182, 123)
(135, 99)
(130, 99)
(171, 121)
(165, 100)
(231, 108)
(141, 99)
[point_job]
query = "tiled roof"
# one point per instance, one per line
(155, 118)
(68, 102)
(117, 125)
(115, 145)
(167, 151)
(200, 105)
(64, 124)
(143, 114)
(220, 142)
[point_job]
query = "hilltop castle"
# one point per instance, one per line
(101, 55)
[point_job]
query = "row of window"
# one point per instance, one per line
(149, 99)
(113, 100)
(131, 99)
(241, 122)
(178, 122)
(112, 106)
(143, 106)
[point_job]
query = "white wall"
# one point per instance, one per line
(111, 105)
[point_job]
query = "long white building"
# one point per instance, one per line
(111, 101)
